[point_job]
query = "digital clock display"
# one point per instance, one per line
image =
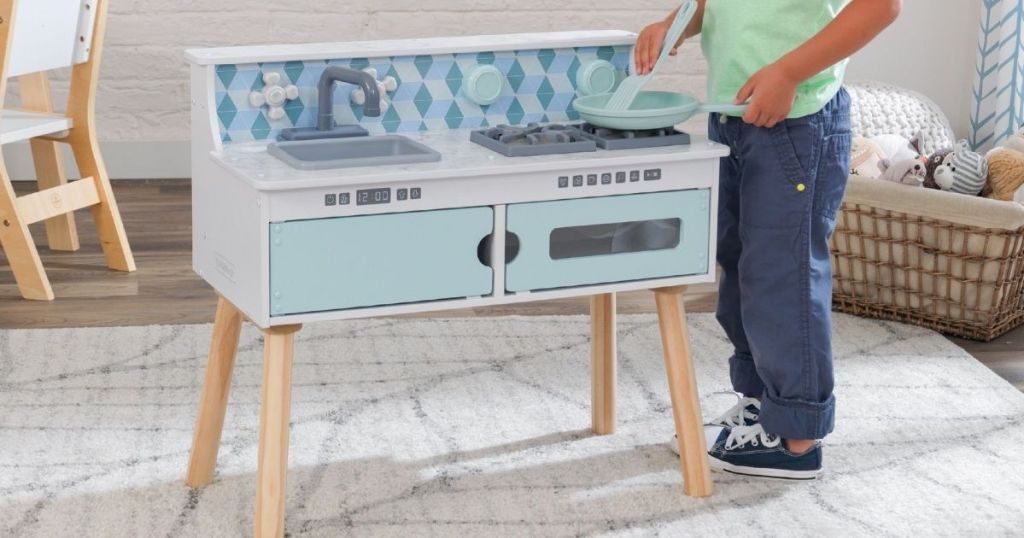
(373, 196)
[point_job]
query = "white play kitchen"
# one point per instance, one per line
(346, 180)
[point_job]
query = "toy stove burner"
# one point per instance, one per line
(533, 139)
(613, 139)
(533, 134)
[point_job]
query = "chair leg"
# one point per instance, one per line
(275, 406)
(682, 384)
(18, 246)
(603, 358)
(105, 214)
(61, 232)
(227, 327)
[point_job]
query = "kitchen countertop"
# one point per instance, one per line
(459, 158)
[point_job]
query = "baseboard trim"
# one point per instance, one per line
(126, 159)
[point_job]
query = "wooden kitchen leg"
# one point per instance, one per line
(602, 362)
(227, 326)
(275, 398)
(682, 384)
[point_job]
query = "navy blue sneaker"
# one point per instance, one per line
(743, 413)
(750, 451)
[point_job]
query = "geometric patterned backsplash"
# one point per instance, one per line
(541, 86)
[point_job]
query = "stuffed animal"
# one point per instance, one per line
(934, 161)
(896, 148)
(962, 171)
(1005, 173)
(865, 156)
(908, 172)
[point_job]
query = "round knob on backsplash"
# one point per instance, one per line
(390, 84)
(483, 84)
(596, 77)
(274, 95)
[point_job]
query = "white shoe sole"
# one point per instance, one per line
(760, 472)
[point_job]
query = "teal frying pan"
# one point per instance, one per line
(650, 110)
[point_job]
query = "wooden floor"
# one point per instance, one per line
(157, 217)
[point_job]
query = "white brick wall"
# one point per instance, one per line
(144, 80)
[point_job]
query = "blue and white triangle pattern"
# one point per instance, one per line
(541, 86)
(998, 109)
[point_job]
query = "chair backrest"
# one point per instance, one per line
(50, 34)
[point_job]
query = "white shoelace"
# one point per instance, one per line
(755, 435)
(737, 415)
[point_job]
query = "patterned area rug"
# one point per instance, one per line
(479, 427)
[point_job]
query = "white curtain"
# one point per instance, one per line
(998, 108)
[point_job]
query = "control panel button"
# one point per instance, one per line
(606, 179)
(634, 175)
(592, 179)
(330, 199)
(653, 174)
(415, 193)
(402, 194)
(577, 181)
(620, 177)
(563, 182)
(343, 199)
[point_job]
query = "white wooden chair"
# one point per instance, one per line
(38, 36)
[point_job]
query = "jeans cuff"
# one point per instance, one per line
(744, 375)
(797, 419)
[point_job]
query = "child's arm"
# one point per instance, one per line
(772, 90)
(648, 43)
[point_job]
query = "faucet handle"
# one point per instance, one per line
(358, 96)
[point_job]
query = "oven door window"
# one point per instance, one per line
(614, 238)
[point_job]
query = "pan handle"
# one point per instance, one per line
(723, 108)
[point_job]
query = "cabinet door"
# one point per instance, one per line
(353, 262)
(609, 239)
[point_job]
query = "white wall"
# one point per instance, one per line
(932, 49)
(143, 102)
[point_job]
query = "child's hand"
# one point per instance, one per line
(648, 46)
(771, 92)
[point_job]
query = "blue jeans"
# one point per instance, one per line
(780, 191)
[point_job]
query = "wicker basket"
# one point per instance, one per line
(894, 258)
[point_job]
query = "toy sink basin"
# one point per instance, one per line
(650, 110)
(330, 153)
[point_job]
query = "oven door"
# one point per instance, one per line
(590, 241)
(353, 262)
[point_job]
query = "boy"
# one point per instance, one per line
(780, 190)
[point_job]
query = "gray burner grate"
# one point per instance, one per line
(613, 139)
(533, 140)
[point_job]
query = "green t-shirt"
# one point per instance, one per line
(739, 37)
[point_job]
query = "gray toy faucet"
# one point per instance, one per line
(336, 73)
(325, 127)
